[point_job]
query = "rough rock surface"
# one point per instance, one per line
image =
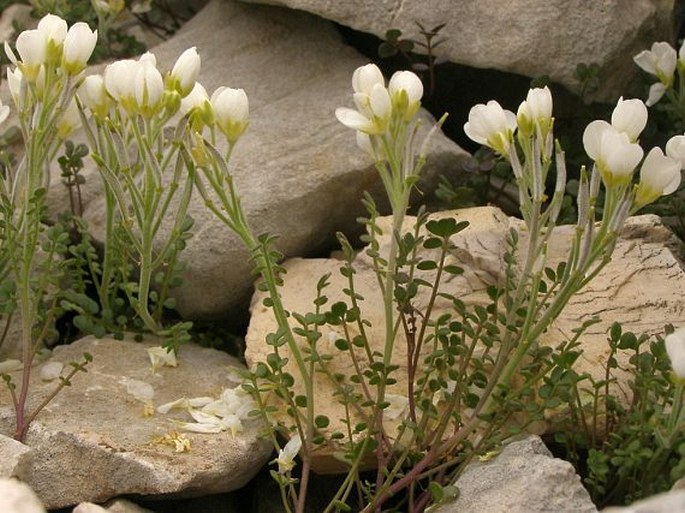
(299, 171)
(523, 478)
(640, 288)
(526, 37)
(92, 442)
(10, 455)
(114, 506)
(17, 497)
(669, 502)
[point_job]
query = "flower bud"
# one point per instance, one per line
(536, 111)
(149, 87)
(659, 175)
(54, 29)
(184, 73)
(69, 121)
(32, 49)
(198, 107)
(93, 95)
(405, 90)
(79, 44)
(232, 111)
(630, 117)
(365, 77)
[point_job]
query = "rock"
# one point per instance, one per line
(299, 171)
(89, 507)
(640, 288)
(16, 14)
(124, 506)
(113, 506)
(93, 442)
(668, 502)
(528, 38)
(10, 454)
(17, 497)
(523, 478)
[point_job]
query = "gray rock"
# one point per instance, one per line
(299, 171)
(669, 502)
(523, 478)
(93, 442)
(17, 497)
(526, 37)
(10, 454)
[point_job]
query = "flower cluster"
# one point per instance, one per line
(51, 61)
(379, 109)
(139, 88)
(661, 61)
(612, 146)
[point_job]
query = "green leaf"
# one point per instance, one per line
(321, 421)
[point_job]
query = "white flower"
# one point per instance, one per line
(4, 112)
(79, 44)
(32, 49)
(286, 456)
(54, 30)
(149, 85)
(184, 73)
(184, 404)
(675, 148)
(197, 105)
(630, 117)
(489, 124)
(160, 357)
(69, 121)
(50, 371)
(366, 77)
(675, 347)
(659, 175)
(93, 95)
(373, 114)
(398, 406)
(659, 61)
(405, 90)
(535, 111)
(17, 87)
(232, 111)
(120, 82)
(656, 91)
(616, 157)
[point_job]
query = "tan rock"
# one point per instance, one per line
(93, 442)
(640, 288)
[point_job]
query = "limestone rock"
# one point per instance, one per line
(299, 171)
(526, 37)
(113, 506)
(669, 502)
(523, 478)
(93, 442)
(640, 288)
(17, 497)
(10, 454)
